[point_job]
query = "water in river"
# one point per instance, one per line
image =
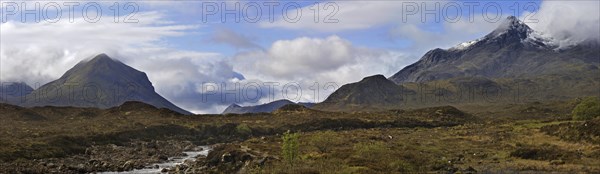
(172, 162)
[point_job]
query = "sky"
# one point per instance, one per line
(206, 55)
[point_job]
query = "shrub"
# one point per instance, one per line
(543, 152)
(324, 141)
(589, 108)
(371, 150)
(379, 157)
(401, 166)
(290, 147)
(243, 129)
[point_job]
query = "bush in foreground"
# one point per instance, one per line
(589, 108)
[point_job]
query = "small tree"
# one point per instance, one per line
(589, 108)
(290, 147)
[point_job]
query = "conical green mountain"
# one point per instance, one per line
(101, 82)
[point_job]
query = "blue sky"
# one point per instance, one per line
(181, 53)
(376, 36)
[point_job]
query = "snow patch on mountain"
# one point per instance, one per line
(527, 36)
(464, 45)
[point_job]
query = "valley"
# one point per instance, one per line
(469, 138)
(509, 102)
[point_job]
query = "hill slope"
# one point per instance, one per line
(369, 93)
(264, 108)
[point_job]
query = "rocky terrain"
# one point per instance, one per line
(110, 157)
(135, 135)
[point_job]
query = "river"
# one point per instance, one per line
(172, 162)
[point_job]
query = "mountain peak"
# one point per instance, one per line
(282, 101)
(511, 25)
(103, 67)
(263, 108)
(512, 22)
(233, 106)
(511, 30)
(374, 77)
(513, 18)
(102, 58)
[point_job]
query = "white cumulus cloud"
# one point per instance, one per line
(307, 61)
(570, 22)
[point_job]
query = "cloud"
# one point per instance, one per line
(338, 16)
(46, 49)
(291, 58)
(568, 21)
(230, 37)
(306, 61)
(346, 16)
(421, 33)
(451, 33)
(179, 76)
(37, 53)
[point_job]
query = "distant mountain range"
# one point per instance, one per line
(10, 90)
(264, 108)
(512, 63)
(101, 82)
